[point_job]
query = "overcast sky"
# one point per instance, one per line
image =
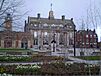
(76, 9)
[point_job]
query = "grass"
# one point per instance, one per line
(15, 59)
(33, 58)
(13, 49)
(89, 57)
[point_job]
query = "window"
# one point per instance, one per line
(70, 42)
(83, 43)
(87, 43)
(45, 25)
(35, 34)
(35, 25)
(61, 25)
(91, 40)
(35, 41)
(31, 31)
(95, 40)
(45, 41)
(87, 36)
(87, 40)
(45, 33)
(90, 35)
(71, 35)
(8, 42)
(94, 36)
(31, 24)
(24, 43)
(70, 27)
(95, 43)
(52, 25)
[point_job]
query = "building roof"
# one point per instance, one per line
(87, 31)
(14, 34)
(49, 21)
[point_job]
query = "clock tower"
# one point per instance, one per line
(8, 22)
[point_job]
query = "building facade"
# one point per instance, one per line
(86, 39)
(51, 33)
(13, 39)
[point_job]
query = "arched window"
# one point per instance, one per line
(24, 43)
(45, 39)
(35, 38)
(35, 34)
(8, 42)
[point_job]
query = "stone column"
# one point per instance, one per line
(51, 46)
(14, 43)
(31, 32)
(2, 43)
(19, 44)
(50, 38)
(29, 44)
(57, 38)
(32, 41)
(39, 39)
(67, 39)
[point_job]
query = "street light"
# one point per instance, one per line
(74, 36)
(74, 42)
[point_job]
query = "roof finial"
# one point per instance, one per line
(51, 6)
(51, 13)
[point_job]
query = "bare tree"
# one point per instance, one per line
(13, 8)
(93, 17)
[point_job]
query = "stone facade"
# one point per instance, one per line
(45, 30)
(43, 33)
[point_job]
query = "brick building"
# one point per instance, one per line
(13, 39)
(86, 39)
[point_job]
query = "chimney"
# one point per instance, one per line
(25, 21)
(94, 30)
(87, 29)
(38, 15)
(63, 17)
(71, 19)
(28, 19)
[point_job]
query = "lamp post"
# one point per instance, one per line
(100, 61)
(74, 42)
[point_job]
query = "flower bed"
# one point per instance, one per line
(27, 69)
(50, 69)
(47, 58)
